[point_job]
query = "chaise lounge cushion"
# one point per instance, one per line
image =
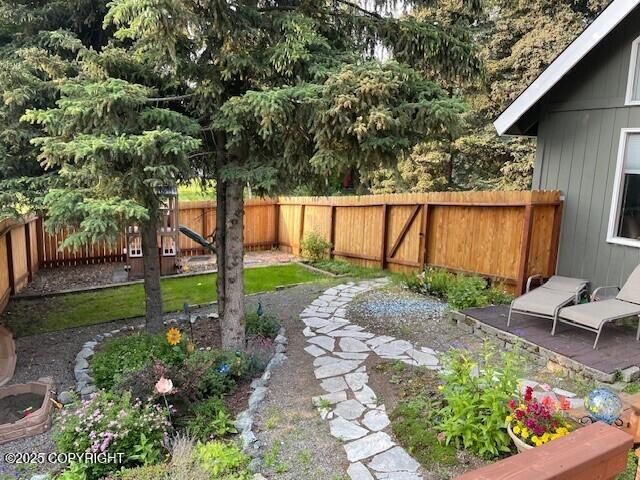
(631, 290)
(594, 314)
(565, 284)
(543, 301)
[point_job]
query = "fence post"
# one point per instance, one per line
(424, 235)
(332, 232)
(525, 249)
(276, 215)
(383, 240)
(555, 239)
(12, 280)
(40, 242)
(301, 229)
(27, 241)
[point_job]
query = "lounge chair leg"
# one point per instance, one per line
(555, 321)
(638, 332)
(510, 312)
(595, 344)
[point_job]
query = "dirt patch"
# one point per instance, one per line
(68, 278)
(16, 407)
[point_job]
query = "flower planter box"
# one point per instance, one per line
(520, 445)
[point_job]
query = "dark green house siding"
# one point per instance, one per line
(579, 131)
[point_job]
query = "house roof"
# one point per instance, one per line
(508, 122)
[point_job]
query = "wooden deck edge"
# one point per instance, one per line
(547, 358)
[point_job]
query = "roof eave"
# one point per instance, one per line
(574, 53)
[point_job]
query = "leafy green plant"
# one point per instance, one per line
(438, 281)
(210, 419)
(460, 291)
(75, 471)
(129, 353)
(467, 292)
(224, 461)
(216, 372)
(113, 424)
(266, 325)
(476, 394)
(315, 247)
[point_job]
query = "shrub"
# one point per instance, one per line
(438, 281)
(209, 419)
(130, 353)
(113, 423)
(315, 247)
(224, 461)
(476, 396)
(264, 326)
(460, 291)
(467, 292)
(215, 373)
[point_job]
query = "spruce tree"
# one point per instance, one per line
(283, 93)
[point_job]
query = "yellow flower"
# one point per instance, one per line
(173, 336)
(509, 418)
(517, 430)
(536, 441)
(525, 433)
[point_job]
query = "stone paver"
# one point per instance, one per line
(349, 404)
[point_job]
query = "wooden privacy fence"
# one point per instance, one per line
(19, 257)
(505, 236)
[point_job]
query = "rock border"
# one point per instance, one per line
(245, 420)
(544, 357)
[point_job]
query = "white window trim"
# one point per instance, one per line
(616, 202)
(631, 80)
(131, 251)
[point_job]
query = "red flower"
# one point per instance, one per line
(528, 394)
(512, 404)
(565, 404)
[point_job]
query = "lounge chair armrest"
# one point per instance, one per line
(531, 279)
(597, 291)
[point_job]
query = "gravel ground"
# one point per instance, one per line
(409, 316)
(297, 443)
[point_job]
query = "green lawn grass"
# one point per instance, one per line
(194, 191)
(28, 317)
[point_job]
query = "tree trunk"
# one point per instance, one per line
(151, 262)
(233, 335)
(221, 218)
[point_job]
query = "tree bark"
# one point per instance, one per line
(151, 262)
(221, 218)
(233, 329)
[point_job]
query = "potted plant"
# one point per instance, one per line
(532, 423)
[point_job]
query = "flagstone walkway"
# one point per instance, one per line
(353, 410)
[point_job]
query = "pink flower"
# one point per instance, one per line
(164, 386)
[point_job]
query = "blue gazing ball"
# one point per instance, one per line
(603, 405)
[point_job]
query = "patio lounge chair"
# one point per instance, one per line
(547, 300)
(595, 315)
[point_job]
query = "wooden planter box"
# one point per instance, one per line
(38, 421)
